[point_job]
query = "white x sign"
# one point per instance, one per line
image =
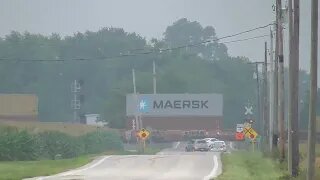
(248, 110)
(133, 124)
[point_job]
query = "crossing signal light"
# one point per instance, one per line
(250, 121)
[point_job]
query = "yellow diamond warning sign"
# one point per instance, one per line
(143, 134)
(250, 133)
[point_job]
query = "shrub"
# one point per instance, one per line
(99, 141)
(22, 145)
(52, 143)
(17, 145)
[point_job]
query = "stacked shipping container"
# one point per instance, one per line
(18, 107)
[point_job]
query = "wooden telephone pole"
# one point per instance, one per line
(265, 97)
(295, 91)
(293, 119)
(313, 91)
(271, 95)
(280, 81)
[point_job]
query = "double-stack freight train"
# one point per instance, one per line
(174, 117)
(18, 107)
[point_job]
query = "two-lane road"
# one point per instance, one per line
(170, 164)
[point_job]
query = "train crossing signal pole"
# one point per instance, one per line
(261, 112)
(258, 96)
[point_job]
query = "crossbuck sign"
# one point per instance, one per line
(248, 110)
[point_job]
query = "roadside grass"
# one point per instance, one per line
(303, 164)
(68, 128)
(303, 147)
(151, 151)
(242, 165)
(17, 170)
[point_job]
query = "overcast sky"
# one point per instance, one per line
(149, 18)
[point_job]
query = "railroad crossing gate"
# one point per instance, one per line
(250, 133)
(143, 134)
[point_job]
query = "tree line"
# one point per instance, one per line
(29, 63)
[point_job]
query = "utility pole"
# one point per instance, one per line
(292, 89)
(276, 91)
(258, 98)
(136, 99)
(154, 78)
(281, 82)
(271, 94)
(313, 91)
(137, 113)
(295, 91)
(265, 95)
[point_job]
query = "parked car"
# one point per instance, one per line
(190, 146)
(201, 145)
(219, 146)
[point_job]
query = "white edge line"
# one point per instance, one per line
(214, 170)
(77, 171)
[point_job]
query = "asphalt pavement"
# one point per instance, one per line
(170, 164)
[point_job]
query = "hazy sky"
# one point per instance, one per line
(149, 18)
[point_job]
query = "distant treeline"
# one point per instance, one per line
(28, 64)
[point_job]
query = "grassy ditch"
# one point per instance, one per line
(303, 162)
(243, 165)
(17, 170)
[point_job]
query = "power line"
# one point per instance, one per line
(246, 39)
(146, 52)
(215, 40)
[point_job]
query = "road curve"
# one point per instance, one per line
(166, 165)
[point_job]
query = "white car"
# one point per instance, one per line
(219, 146)
(201, 145)
(210, 140)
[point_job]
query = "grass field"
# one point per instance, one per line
(249, 166)
(68, 128)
